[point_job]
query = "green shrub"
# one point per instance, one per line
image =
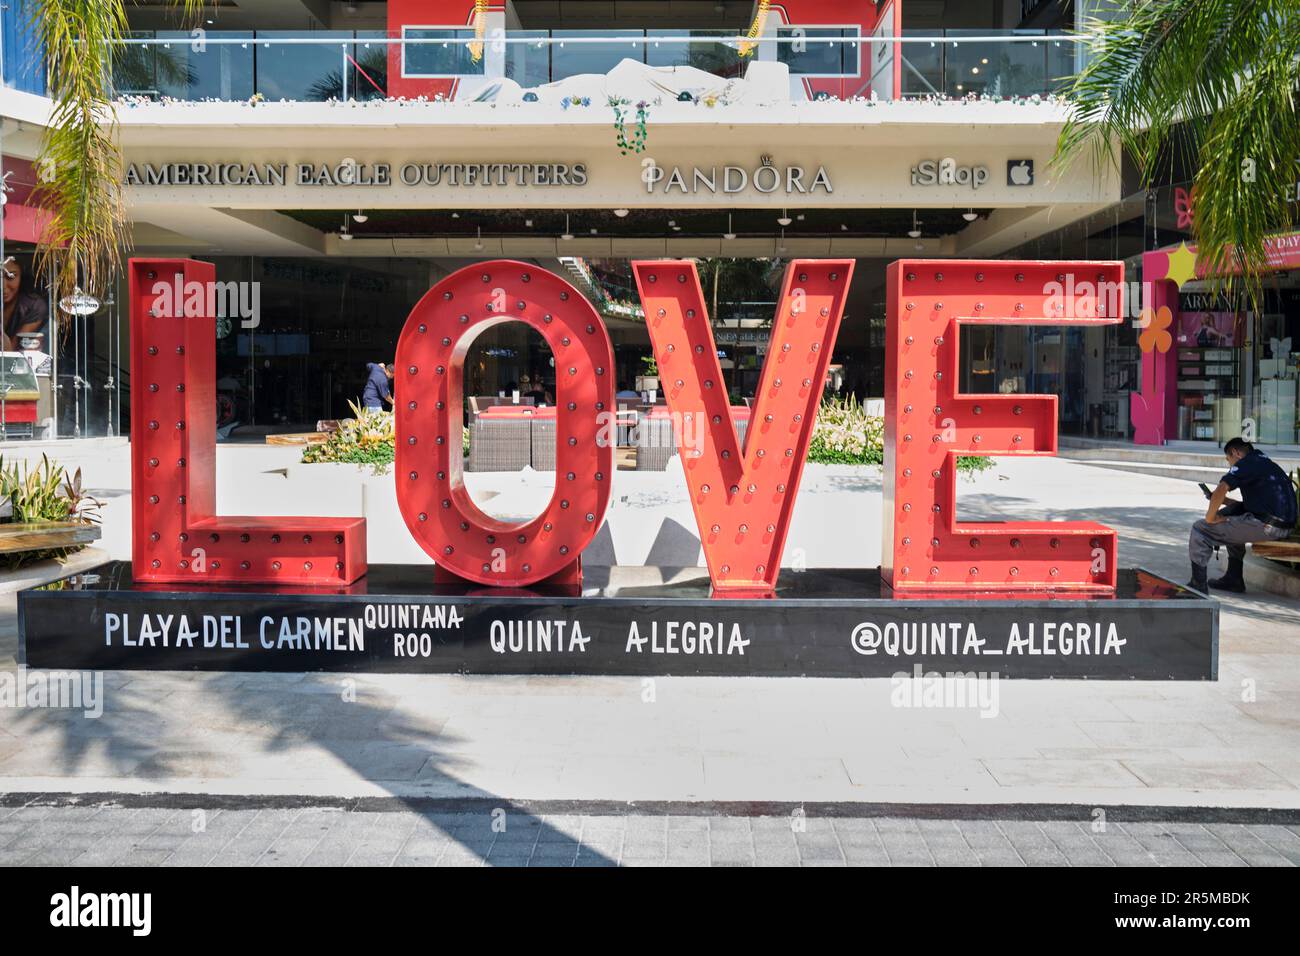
(366, 439)
(846, 435)
(971, 464)
(45, 493)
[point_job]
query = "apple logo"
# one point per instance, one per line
(1020, 172)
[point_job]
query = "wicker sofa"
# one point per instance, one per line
(656, 444)
(501, 438)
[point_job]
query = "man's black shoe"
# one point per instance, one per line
(1198, 582)
(1232, 580)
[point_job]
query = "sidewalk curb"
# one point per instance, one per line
(727, 808)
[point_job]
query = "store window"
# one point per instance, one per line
(1213, 374)
(1237, 366)
(808, 52)
(304, 71)
(585, 56)
(1277, 351)
(447, 54)
(1031, 360)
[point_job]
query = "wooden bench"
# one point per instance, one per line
(43, 535)
(298, 438)
(1288, 550)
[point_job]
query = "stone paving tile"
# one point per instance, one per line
(776, 854)
(336, 837)
(51, 856)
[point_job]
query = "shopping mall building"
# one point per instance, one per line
(340, 158)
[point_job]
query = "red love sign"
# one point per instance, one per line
(744, 497)
(176, 533)
(430, 373)
(929, 423)
(742, 493)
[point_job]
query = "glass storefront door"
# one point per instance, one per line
(302, 356)
(1237, 366)
(89, 384)
(76, 360)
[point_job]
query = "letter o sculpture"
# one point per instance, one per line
(429, 399)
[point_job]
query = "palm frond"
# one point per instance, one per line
(1212, 82)
(80, 163)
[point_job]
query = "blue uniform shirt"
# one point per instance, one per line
(1265, 488)
(376, 386)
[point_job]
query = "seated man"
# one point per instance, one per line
(1267, 513)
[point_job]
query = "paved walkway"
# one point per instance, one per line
(114, 836)
(1235, 742)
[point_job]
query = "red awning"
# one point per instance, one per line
(23, 223)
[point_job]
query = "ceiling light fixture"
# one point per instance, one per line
(360, 216)
(970, 215)
(566, 235)
(478, 240)
(343, 232)
(620, 213)
(730, 233)
(784, 219)
(915, 231)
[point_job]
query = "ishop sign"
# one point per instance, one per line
(947, 172)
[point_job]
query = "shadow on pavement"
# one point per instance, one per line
(261, 728)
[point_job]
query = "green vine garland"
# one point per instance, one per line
(638, 141)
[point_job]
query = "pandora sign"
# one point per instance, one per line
(766, 177)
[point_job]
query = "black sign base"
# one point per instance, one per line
(822, 623)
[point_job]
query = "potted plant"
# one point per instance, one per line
(648, 380)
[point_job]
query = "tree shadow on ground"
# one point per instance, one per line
(267, 733)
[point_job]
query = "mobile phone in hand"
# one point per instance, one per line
(1206, 489)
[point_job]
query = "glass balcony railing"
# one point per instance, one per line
(958, 63)
(24, 65)
(452, 63)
